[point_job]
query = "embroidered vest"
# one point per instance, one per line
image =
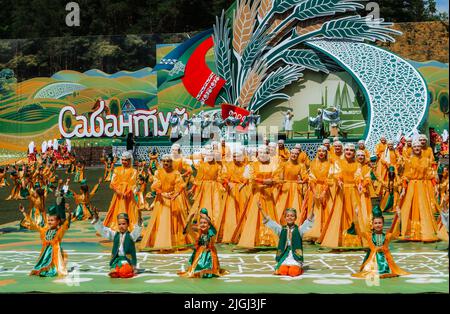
(128, 248)
(296, 244)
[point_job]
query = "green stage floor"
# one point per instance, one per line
(88, 257)
(325, 272)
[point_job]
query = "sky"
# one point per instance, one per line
(442, 5)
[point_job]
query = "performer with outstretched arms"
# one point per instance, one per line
(290, 247)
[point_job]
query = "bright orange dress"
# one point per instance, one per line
(123, 180)
(319, 196)
(337, 232)
(165, 227)
(417, 219)
(290, 194)
(234, 200)
(208, 192)
(251, 232)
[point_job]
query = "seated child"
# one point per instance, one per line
(379, 259)
(123, 257)
(204, 261)
(289, 256)
(52, 260)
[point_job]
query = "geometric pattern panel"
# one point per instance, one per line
(395, 91)
(58, 90)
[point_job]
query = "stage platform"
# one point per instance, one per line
(325, 272)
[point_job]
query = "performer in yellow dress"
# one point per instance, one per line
(235, 199)
(292, 176)
(250, 231)
(365, 211)
(37, 214)
(122, 183)
(165, 227)
(109, 167)
(388, 158)
(362, 147)
(416, 201)
(302, 156)
(83, 209)
(16, 185)
(140, 192)
(208, 188)
(380, 147)
(320, 175)
(3, 181)
(79, 172)
(282, 151)
(426, 150)
(339, 231)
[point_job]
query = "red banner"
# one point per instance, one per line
(198, 79)
(235, 111)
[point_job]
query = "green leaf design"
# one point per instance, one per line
(358, 28)
(281, 6)
(307, 58)
(318, 8)
(222, 53)
(274, 82)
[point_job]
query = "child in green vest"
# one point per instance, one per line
(290, 248)
(378, 260)
(204, 261)
(52, 260)
(123, 256)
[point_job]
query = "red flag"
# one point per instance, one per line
(237, 112)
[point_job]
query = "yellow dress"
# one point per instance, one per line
(384, 164)
(37, 214)
(379, 149)
(365, 211)
(3, 181)
(123, 180)
(283, 154)
(140, 195)
(109, 167)
(332, 183)
(319, 196)
(417, 219)
(165, 227)
(83, 209)
(250, 231)
(336, 231)
(15, 192)
(234, 200)
(290, 194)
(208, 192)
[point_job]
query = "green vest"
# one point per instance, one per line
(128, 248)
(296, 245)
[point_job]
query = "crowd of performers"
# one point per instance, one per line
(265, 197)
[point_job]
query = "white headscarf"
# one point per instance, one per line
(55, 144)
(44, 146)
(31, 147)
(69, 144)
(445, 136)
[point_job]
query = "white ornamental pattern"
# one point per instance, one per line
(398, 97)
(58, 90)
